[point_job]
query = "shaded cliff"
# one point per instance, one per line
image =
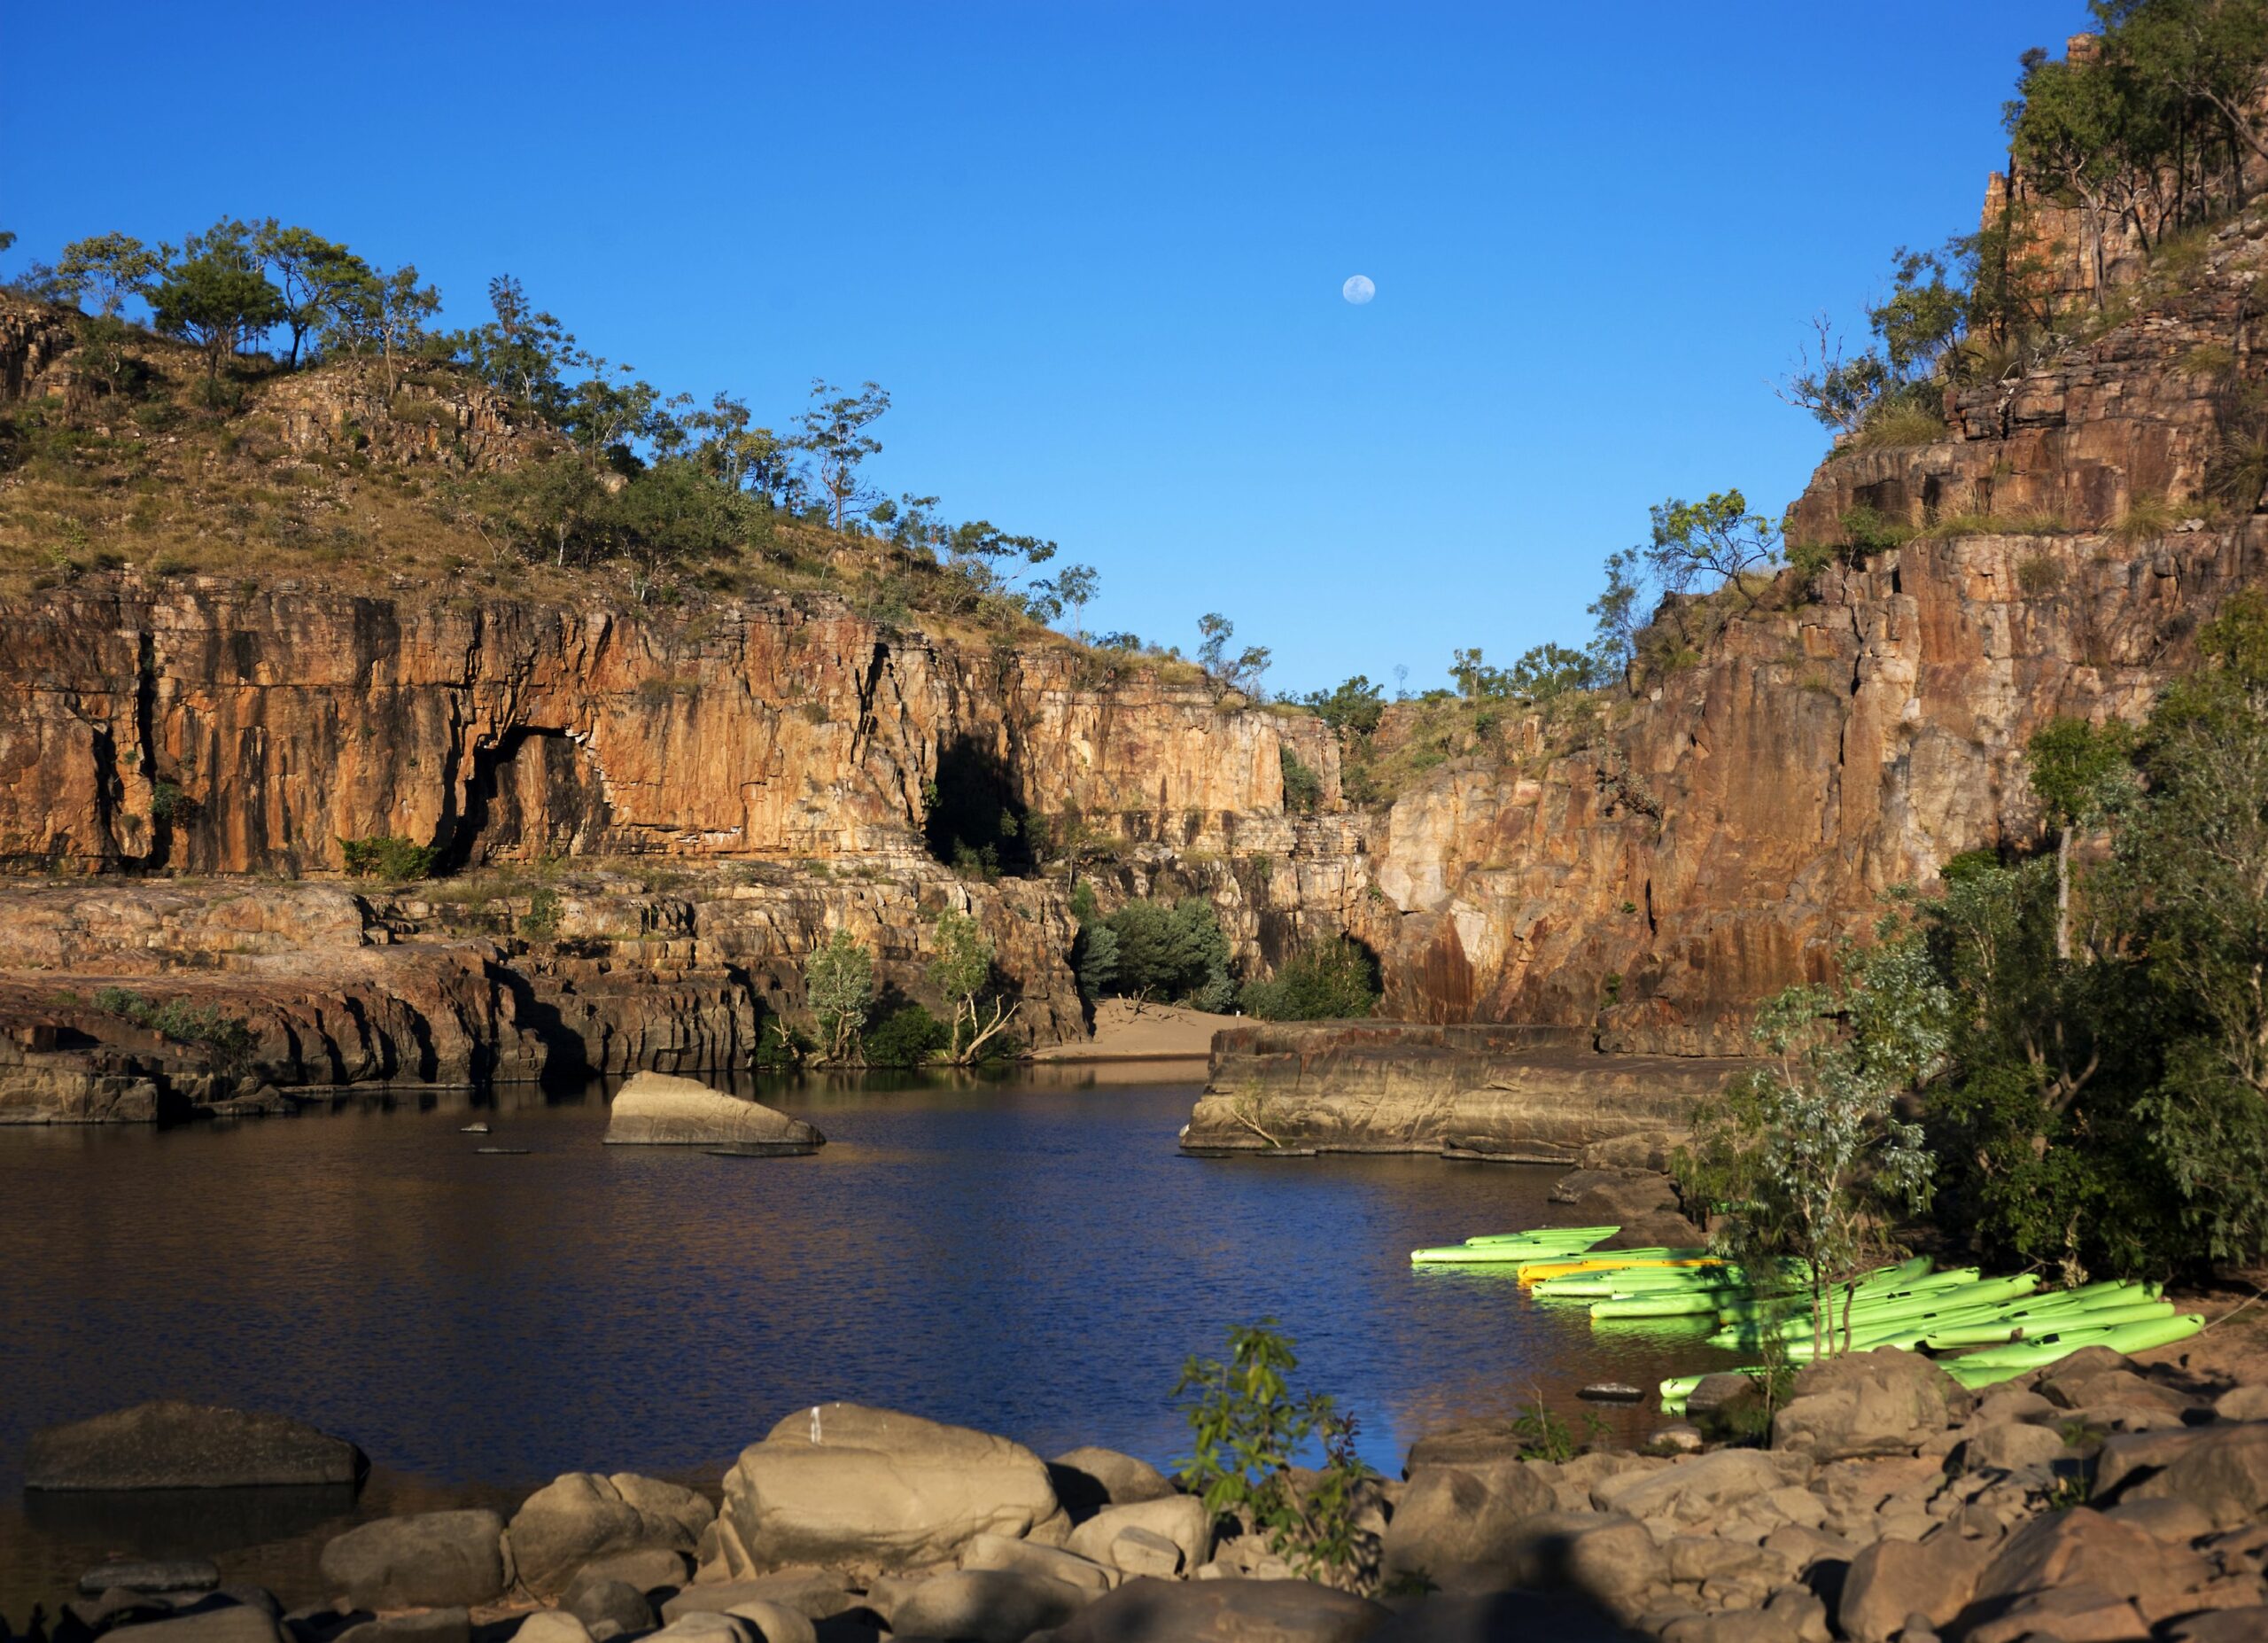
(1659, 863)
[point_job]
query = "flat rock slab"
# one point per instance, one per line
(170, 1444)
(1224, 1611)
(181, 1574)
(658, 1110)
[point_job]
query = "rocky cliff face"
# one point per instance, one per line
(205, 728)
(1711, 840)
(700, 795)
(759, 775)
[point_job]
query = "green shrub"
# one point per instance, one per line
(1325, 981)
(230, 1038)
(1302, 786)
(1898, 424)
(1247, 1426)
(1173, 951)
(386, 857)
(541, 921)
(2038, 576)
(780, 1046)
(168, 803)
(1871, 531)
(908, 1037)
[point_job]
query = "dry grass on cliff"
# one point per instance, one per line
(155, 483)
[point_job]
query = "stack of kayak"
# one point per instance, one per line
(2001, 1327)
(2016, 1327)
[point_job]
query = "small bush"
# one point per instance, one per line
(2038, 576)
(1302, 786)
(1248, 1427)
(1172, 950)
(386, 857)
(2146, 519)
(780, 1046)
(908, 1037)
(168, 803)
(1869, 531)
(541, 921)
(230, 1038)
(1898, 425)
(2208, 359)
(1325, 981)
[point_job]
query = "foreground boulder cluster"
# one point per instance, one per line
(2096, 1500)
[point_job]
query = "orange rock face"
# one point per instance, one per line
(730, 784)
(280, 724)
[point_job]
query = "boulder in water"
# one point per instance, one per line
(657, 1109)
(171, 1445)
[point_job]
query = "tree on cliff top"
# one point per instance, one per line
(386, 316)
(217, 297)
(835, 431)
(2208, 52)
(112, 267)
(317, 276)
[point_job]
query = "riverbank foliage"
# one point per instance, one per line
(2110, 1104)
(2080, 1034)
(1335, 979)
(1172, 953)
(1247, 1426)
(1808, 1158)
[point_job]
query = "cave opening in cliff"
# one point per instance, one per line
(536, 793)
(976, 820)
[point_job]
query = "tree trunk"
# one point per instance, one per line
(2064, 895)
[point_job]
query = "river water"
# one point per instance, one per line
(1029, 1257)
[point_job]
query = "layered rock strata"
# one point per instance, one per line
(1657, 866)
(1518, 1095)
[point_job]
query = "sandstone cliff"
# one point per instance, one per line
(1714, 837)
(703, 792)
(759, 774)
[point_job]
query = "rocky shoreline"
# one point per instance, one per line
(2103, 1498)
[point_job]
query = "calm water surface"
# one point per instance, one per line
(1030, 1258)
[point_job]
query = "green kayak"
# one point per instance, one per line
(1865, 1314)
(1548, 1235)
(2028, 1329)
(2053, 1345)
(1797, 1302)
(1505, 1251)
(2002, 1363)
(1654, 1306)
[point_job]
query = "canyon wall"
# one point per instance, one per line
(1713, 837)
(645, 818)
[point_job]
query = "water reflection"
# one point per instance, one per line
(1028, 1256)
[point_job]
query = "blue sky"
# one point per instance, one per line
(1095, 251)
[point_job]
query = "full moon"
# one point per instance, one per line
(1358, 290)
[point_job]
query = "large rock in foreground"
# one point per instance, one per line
(427, 1560)
(657, 1109)
(844, 1486)
(170, 1444)
(581, 1517)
